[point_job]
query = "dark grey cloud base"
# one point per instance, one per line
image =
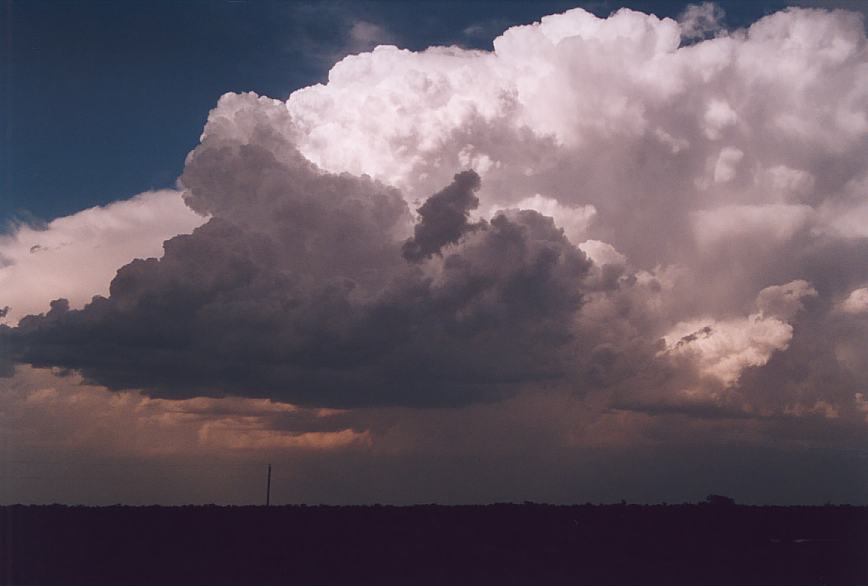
(297, 288)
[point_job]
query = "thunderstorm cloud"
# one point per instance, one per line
(670, 216)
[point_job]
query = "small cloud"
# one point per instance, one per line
(485, 30)
(364, 36)
(701, 21)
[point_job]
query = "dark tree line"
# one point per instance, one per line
(713, 543)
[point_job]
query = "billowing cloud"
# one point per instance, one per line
(652, 214)
(724, 348)
(297, 289)
(77, 256)
(443, 217)
(574, 220)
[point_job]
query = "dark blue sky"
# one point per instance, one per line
(101, 100)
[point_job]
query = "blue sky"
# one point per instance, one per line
(103, 100)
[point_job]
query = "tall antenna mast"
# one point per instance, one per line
(268, 488)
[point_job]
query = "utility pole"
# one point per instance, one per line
(268, 488)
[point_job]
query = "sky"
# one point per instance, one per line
(130, 84)
(433, 252)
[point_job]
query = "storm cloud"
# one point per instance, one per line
(443, 217)
(659, 216)
(297, 289)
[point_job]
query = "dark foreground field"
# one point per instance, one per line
(499, 544)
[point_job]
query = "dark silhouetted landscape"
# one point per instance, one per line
(713, 543)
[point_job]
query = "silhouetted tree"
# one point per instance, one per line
(719, 500)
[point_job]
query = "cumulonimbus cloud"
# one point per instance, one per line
(297, 288)
(77, 256)
(699, 182)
